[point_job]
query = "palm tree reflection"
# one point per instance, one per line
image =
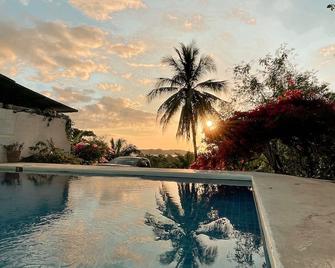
(188, 223)
(11, 179)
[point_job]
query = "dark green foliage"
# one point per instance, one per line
(171, 161)
(120, 147)
(13, 147)
(47, 152)
(331, 7)
(78, 134)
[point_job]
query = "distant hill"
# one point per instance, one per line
(162, 151)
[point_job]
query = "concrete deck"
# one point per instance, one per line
(297, 214)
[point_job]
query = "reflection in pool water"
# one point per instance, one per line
(51, 220)
(199, 215)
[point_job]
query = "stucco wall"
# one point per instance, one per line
(29, 129)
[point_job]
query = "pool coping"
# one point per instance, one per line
(289, 207)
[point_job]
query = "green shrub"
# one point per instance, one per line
(47, 152)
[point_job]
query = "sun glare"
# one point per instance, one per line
(209, 123)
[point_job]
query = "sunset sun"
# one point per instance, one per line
(209, 123)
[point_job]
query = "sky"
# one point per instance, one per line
(102, 57)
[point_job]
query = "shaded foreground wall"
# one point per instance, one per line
(29, 129)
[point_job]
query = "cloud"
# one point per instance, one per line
(55, 50)
(127, 50)
(126, 76)
(242, 15)
(112, 87)
(25, 2)
(103, 9)
(70, 95)
(185, 23)
(144, 65)
(112, 113)
(328, 50)
(121, 117)
(146, 82)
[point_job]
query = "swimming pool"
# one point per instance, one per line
(71, 221)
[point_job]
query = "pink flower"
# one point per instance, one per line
(79, 146)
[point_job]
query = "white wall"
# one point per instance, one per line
(29, 129)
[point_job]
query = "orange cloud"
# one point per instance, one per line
(144, 65)
(111, 112)
(328, 51)
(56, 50)
(242, 16)
(109, 87)
(146, 81)
(53, 49)
(186, 23)
(127, 50)
(120, 117)
(103, 9)
(70, 95)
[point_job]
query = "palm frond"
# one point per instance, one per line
(176, 80)
(203, 104)
(206, 65)
(170, 107)
(170, 61)
(159, 91)
(213, 85)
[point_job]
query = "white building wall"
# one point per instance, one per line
(29, 129)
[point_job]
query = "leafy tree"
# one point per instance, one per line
(295, 134)
(122, 148)
(171, 161)
(331, 7)
(271, 76)
(188, 94)
(79, 134)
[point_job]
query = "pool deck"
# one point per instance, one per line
(297, 214)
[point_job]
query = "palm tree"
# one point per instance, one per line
(122, 148)
(182, 223)
(202, 209)
(189, 93)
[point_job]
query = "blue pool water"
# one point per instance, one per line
(66, 221)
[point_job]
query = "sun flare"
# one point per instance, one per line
(209, 123)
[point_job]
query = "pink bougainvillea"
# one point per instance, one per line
(294, 117)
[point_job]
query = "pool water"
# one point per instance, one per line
(67, 221)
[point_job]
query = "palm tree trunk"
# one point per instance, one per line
(194, 138)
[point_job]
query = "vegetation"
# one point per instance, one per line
(171, 161)
(269, 78)
(47, 152)
(78, 134)
(120, 147)
(289, 129)
(14, 147)
(331, 7)
(188, 93)
(91, 150)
